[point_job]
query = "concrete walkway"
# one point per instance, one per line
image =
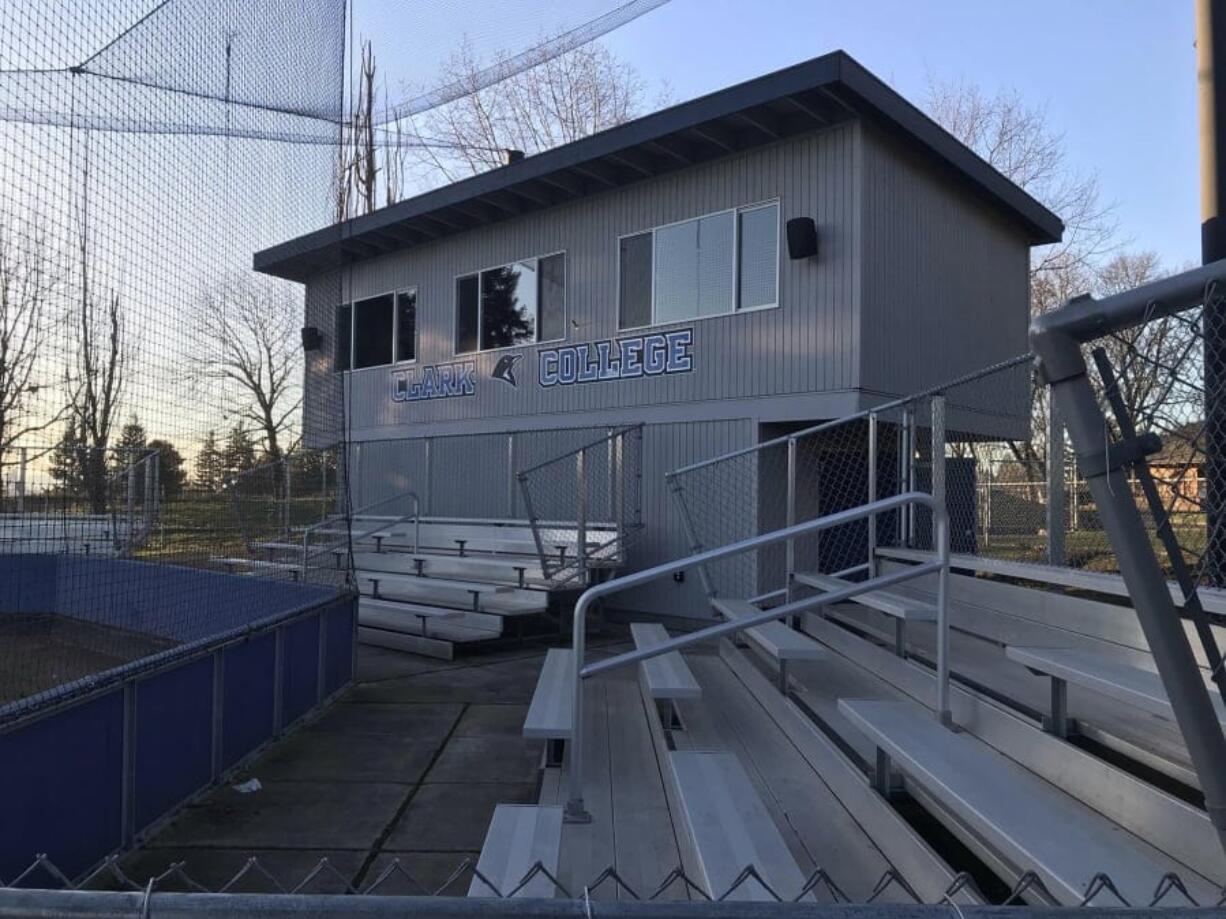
(406, 767)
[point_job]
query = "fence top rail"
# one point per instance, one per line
(900, 402)
(1086, 318)
(611, 435)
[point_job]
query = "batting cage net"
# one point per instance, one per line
(151, 383)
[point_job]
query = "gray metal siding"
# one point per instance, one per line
(945, 279)
(480, 487)
(807, 345)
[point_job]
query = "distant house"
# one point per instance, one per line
(1179, 469)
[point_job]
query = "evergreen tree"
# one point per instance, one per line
(171, 474)
(68, 460)
(239, 453)
(131, 448)
(210, 464)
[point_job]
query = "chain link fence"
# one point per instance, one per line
(590, 499)
(394, 878)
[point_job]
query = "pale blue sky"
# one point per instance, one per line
(1118, 78)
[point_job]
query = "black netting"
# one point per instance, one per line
(151, 383)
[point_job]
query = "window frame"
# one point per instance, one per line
(455, 305)
(394, 293)
(736, 265)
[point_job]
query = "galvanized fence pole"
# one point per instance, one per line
(581, 541)
(1056, 499)
(24, 453)
(790, 576)
(285, 518)
(938, 456)
(691, 534)
(511, 476)
(1056, 338)
(131, 498)
(872, 493)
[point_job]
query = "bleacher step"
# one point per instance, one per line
(1028, 823)
(775, 638)
(1133, 686)
(553, 702)
(519, 836)
(668, 676)
(728, 828)
(884, 601)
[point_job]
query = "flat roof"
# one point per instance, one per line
(817, 93)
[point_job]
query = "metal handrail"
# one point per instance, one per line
(575, 811)
(611, 435)
(415, 516)
(900, 402)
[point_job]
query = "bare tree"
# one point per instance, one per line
(28, 290)
(98, 384)
(246, 338)
(1018, 140)
(555, 101)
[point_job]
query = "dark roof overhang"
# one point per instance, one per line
(806, 97)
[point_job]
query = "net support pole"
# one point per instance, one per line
(1057, 511)
(1055, 338)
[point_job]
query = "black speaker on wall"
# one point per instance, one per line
(312, 338)
(802, 237)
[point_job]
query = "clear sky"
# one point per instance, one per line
(1117, 77)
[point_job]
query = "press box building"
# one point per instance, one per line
(663, 272)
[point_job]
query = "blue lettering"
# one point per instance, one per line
(466, 383)
(608, 367)
(548, 367)
(445, 386)
(399, 387)
(679, 358)
(566, 366)
(654, 348)
(632, 357)
(588, 369)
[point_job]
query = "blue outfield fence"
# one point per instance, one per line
(88, 766)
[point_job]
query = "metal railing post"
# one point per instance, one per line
(791, 520)
(904, 426)
(872, 493)
(940, 523)
(581, 547)
(24, 453)
(1056, 497)
(429, 476)
(912, 449)
(938, 456)
(511, 476)
(286, 496)
(691, 535)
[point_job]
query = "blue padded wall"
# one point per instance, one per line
(174, 738)
(338, 650)
(62, 783)
(247, 696)
(300, 677)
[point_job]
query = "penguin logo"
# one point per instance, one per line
(505, 368)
